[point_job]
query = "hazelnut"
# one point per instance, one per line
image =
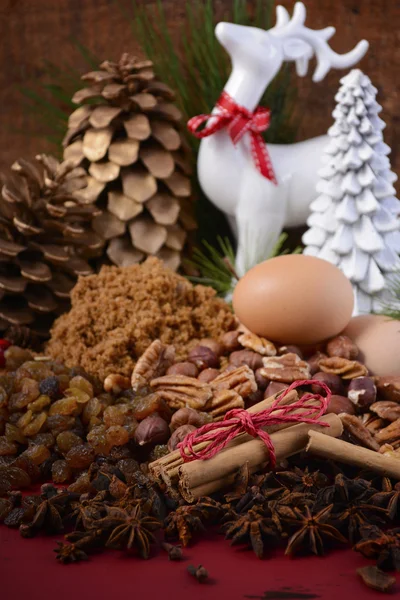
(261, 381)
(214, 345)
(189, 416)
(230, 341)
(203, 357)
(179, 435)
(183, 368)
(274, 387)
(343, 347)
(208, 375)
(152, 430)
(362, 391)
(333, 382)
(290, 349)
(340, 404)
(313, 361)
(246, 357)
(254, 398)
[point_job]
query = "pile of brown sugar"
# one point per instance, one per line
(116, 314)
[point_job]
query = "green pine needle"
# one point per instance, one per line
(392, 308)
(198, 68)
(216, 265)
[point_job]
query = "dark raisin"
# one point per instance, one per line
(50, 387)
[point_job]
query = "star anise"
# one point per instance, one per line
(240, 484)
(383, 546)
(282, 509)
(18, 509)
(253, 497)
(188, 519)
(344, 490)
(87, 540)
(49, 513)
(143, 488)
(87, 509)
(352, 517)
(130, 528)
(252, 528)
(388, 498)
(69, 553)
(313, 531)
(302, 481)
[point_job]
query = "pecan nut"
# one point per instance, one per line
(359, 432)
(241, 380)
(372, 422)
(258, 344)
(286, 368)
(347, 369)
(153, 363)
(386, 410)
(390, 434)
(388, 387)
(343, 347)
(180, 391)
(222, 401)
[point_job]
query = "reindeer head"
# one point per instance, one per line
(289, 40)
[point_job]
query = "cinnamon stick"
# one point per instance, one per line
(166, 468)
(201, 477)
(327, 447)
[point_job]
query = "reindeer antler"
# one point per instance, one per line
(306, 42)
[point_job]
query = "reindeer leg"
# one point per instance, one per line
(260, 217)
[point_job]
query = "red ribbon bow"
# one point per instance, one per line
(239, 421)
(239, 121)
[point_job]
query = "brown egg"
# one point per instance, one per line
(378, 339)
(294, 299)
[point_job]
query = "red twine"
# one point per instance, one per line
(239, 120)
(239, 421)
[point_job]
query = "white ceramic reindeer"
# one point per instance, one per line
(258, 209)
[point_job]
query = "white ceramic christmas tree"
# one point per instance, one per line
(354, 220)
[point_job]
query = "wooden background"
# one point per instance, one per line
(34, 30)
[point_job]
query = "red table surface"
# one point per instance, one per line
(28, 569)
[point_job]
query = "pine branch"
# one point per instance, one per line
(391, 308)
(217, 265)
(199, 67)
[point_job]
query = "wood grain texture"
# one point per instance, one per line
(34, 30)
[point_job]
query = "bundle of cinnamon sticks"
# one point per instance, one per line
(203, 477)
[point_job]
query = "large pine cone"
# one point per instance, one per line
(129, 140)
(45, 240)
